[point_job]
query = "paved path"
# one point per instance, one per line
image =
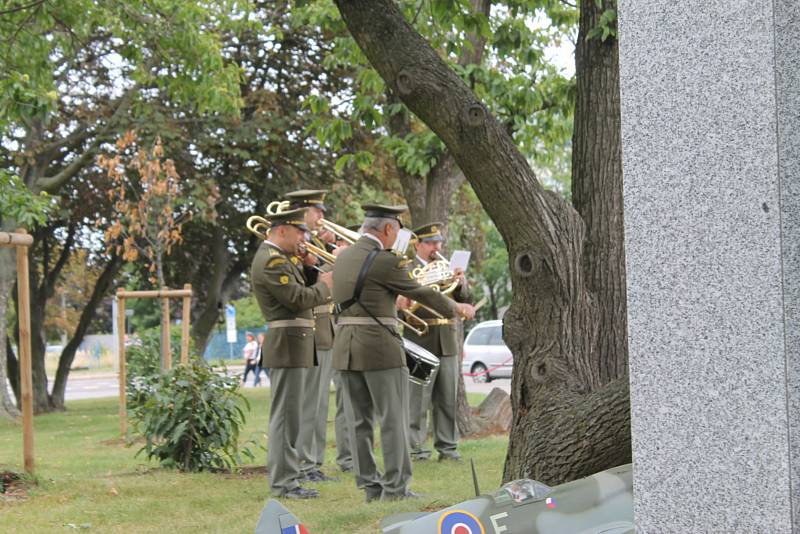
(97, 385)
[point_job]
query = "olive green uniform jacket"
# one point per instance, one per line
(281, 293)
(371, 347)
(441, 340)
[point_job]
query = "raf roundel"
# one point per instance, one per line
(460, 522)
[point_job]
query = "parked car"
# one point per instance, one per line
(486, 357)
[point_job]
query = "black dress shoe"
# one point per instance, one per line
(346, 468)
(399, 497)
(319, 476)
(455, 457)
(373, 495)
(301, 493)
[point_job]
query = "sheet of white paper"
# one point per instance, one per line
(460, 259)
(401, 242)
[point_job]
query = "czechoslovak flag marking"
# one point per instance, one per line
(460, 522)
(294, 529)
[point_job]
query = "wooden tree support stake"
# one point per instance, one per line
(166, 354)
(21, 241)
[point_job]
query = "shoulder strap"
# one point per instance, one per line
(362, 276)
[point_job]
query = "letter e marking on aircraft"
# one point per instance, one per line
(498, 528)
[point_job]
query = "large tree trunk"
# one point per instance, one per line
(552, 325)
(597, 187)
(429, 197)
(225, 279)
(42, 284)
(41, 399)
(8, 408)
(88, 314)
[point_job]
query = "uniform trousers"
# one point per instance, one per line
(283, 437)
(440, 395)
(344, 454)
(383, 395)
(314, 430)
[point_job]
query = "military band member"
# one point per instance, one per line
(286, 304)
(370, 356)
(318, 378)
(344, 454)
(441, 339)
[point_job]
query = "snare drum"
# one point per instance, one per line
(421, 363)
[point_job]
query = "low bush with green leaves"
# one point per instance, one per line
(191, 419)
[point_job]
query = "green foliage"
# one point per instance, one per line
(606, 25)
(515, 79)
(143, 366)
(19, 204)
(171, 45)
(192, 421)
(472, 229)
(248, 314)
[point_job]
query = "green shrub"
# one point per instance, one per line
(191, 419)
(143, 362)
(143, 366)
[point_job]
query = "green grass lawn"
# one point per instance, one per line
(89, 481)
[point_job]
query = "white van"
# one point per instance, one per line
(486, 357)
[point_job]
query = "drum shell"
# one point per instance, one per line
(421, 363)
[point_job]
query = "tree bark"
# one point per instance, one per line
(552, 325)
(8, 407)
(207, 319)
(428, 197)
(225, 279)
(104, 283)
(597, 188)
(42, 284)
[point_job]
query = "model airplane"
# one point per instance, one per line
(598, 504)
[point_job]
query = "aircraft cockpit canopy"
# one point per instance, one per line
(522, 491)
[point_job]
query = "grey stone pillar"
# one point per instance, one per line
(711, 157)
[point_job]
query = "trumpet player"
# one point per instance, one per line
(286, 303)
(313, 432)
(439, 396)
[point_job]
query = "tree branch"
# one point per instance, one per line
(52, 184)
(20, 8)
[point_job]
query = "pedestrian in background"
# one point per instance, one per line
(250, 356)
(260, 360)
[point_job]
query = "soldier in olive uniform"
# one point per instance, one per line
(287, 304)
(441, 339)
(370, 356)
(314, 431)
(344, 453)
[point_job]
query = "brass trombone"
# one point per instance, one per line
(277, 206)
(258, 225)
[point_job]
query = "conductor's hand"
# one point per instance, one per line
(465, 311)
(327, 279)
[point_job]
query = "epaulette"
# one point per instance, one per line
(275, 261)
(402, 263)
